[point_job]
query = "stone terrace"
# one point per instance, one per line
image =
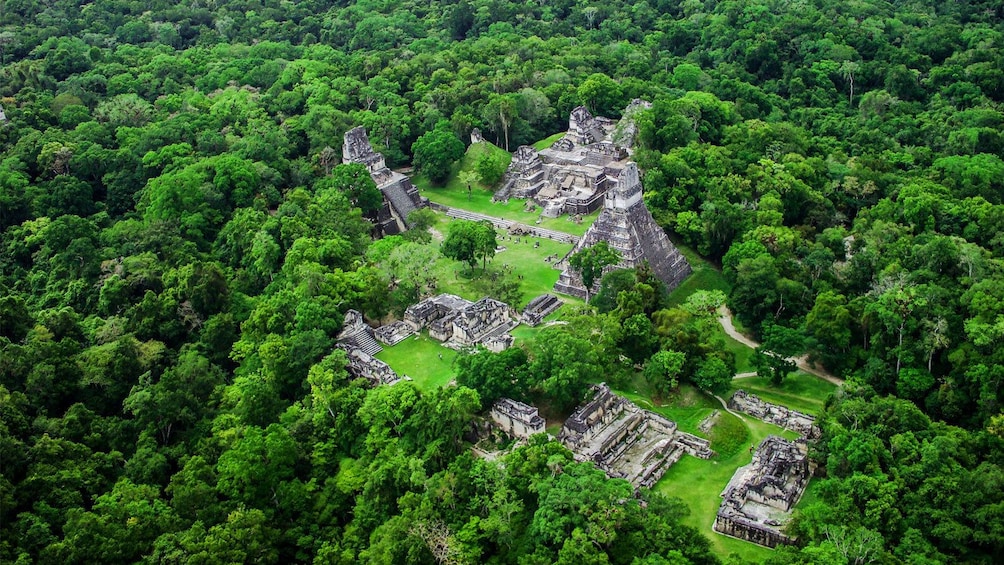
(626, 441)
(782, 416)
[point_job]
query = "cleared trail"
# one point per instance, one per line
(725, 319)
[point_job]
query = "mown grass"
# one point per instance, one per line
(538, 276)
(548, 141)
(454, 194)
(425, 360)
(699, 483)
(799, 391)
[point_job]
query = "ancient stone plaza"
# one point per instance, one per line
(625, 441)
(628, 227)
(400, 197)
(758, 500)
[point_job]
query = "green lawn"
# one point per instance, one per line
(699, 484)
(548, 141)
(419, 358)
(799, 391)
(454, 194)
(525, 259)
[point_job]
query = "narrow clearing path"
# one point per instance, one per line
(725, 319)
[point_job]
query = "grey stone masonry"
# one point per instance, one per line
(395, 333)
(776, 414)
(517, 419)
(759, 498)
(399, 194)
(356, 333)
(625, 441)
(628, 227)
(365, 366)
(539, 308)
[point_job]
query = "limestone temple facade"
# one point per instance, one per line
(628, 227)
(400, 197)
(357, 339)
(625, 441)
(461, 323)
(760, 496)
(776, 414)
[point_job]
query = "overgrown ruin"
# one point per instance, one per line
(461, 323)
(628, 227)
(776, 414)
(400, 197)
(516, 418)
(759, 498)
(625, 441)
(357, 339)
(572, 175)
(539, 308)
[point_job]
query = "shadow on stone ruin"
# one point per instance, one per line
(625, 441)
(628, 227)
(400, 197)
(781, 416)
(758, 500)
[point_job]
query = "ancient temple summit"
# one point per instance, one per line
(625, 441)
(628, 227)
(400, 197)
(572, 175)
(758, 500)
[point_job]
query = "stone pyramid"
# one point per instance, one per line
(628, 227)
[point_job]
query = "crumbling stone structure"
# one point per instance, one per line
(394, 333)
(517, 419)
(628, 227)
(776, 414)
(760, 496)
(539, 308)
(356, 333)
(365, 366)
(571, 176)
(460, 323)
(357, 339)
(400, 197)
(625, 441)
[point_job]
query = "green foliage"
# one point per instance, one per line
(470, 242)
(590, 261)
(435, 151)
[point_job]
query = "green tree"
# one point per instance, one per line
(436, 151)
(662, 370)
(590, 261)
(772, 358)
(470, 242)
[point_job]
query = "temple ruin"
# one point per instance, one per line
(461, 323)
(628, 227)
(357, 339)
(516, 419)
(572, 175)
(776, 414)
(400, 197)
(539, 308)
(625, 441)
(759, 498)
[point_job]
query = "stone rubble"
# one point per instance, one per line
(776, 414)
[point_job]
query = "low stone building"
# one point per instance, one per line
(539, 308)
(625, 441)
(759, 498)
(516, 418)
(462, 323)
(362, 365)
(628, 228)
(394, 333)
(804, 424)
(357, 333)
(400, 197)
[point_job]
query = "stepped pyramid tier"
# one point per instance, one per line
(356, 333)
(400, 197)
(628, 227)
(572, 175)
